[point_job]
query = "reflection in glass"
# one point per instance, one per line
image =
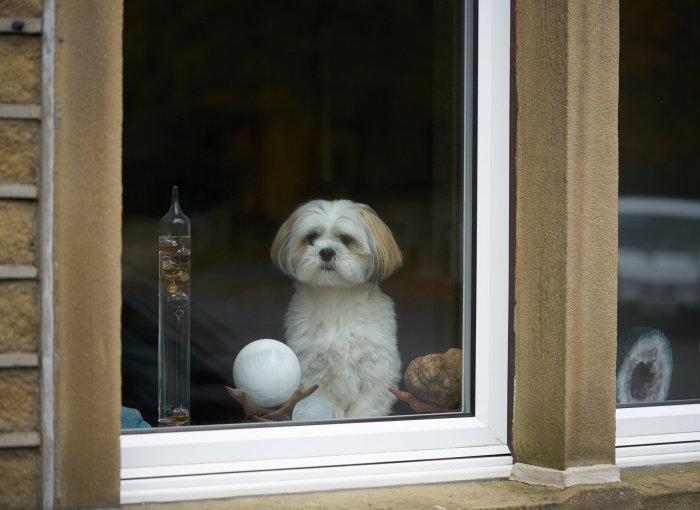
(659, 206)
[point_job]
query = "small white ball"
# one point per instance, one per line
(268, 371)
(313, 407)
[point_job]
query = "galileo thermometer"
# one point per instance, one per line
(174, 271)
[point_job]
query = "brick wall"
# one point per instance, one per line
(20, 160)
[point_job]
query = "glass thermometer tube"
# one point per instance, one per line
(174, 295)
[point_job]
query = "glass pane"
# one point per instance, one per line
(659, 210)
(253, 109)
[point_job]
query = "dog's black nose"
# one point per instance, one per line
(326, 254)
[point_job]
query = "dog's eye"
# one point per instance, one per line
(311, 238)
(345, 239)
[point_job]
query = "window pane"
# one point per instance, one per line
(659, 222)
(254, 108)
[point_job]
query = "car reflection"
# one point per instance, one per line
(659, 255)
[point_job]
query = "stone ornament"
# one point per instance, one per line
(433, 383)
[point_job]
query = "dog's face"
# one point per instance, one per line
(338, 243)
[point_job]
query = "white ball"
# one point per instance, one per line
(313, 407)
(268, 371)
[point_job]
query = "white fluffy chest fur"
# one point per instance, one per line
(345, 339)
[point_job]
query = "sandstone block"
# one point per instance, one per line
(19, 388)
(20, 62)
(17, 232)
(20, 483)
(20, 8)
(19, 316)
(19, 152)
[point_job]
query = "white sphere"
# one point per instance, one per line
(268, 371)
(313, 407)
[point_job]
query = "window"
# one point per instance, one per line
(658, 380)
(403, 120)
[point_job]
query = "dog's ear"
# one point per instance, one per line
(281, 244)
(386, 254)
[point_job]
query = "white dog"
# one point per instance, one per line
(340, 325)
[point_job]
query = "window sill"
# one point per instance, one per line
(660, 487)
(277, 460)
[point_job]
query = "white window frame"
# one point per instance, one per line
(658, 434)
(256, 460)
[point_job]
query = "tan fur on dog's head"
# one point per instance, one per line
(282, 241)
(388, 256)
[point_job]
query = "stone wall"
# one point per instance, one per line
(20, 161)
